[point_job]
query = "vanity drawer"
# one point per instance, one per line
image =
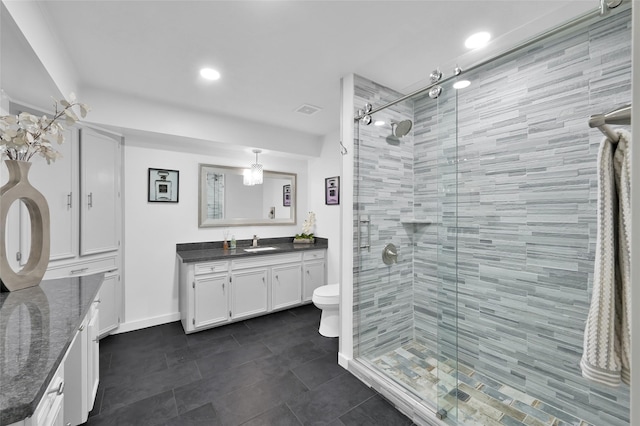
(313, 255)
(210, 268)
(86, 267)
(266, 260)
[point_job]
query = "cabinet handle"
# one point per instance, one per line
(81, 327)
(69, 200)
(98, 301)
(77, 271)
(58, 391)
(90, 200)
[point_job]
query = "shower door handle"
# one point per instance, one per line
(367, 220)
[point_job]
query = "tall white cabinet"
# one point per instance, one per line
(99, 193)
(83, 190)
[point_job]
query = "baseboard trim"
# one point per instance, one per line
(147, 322)
(343, 360)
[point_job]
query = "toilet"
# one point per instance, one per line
(327, 298)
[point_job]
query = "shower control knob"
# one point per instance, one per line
(389, 254)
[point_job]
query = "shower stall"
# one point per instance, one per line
(474, 233)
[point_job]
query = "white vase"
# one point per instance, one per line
(19, 188)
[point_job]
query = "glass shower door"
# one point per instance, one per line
(405, 203)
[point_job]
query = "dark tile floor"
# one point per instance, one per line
(270, 370)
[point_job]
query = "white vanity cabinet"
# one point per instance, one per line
(109, 303)
(50, 411)
(213, 293)
(76, 405)
(211, 300)
(248, 292)
(314, 274)
(93, 352)
(72, 390)
(285, 286)
(82, 368)
(204, 295)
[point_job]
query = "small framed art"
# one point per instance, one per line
(163, 186)
(286, 195)
(332, 190)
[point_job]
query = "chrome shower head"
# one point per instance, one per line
(401, 128)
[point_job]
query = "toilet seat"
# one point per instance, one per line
(327, 294)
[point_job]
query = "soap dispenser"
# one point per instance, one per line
(233, 242)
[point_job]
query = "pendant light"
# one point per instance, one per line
(246, 177)
(256, 170)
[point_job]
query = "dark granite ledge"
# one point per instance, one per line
(207, 251)
(37, 325)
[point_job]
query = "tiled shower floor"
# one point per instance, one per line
(481, 401)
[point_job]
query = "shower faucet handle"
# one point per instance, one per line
(390, 254)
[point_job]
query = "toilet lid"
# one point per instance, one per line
(328, 290)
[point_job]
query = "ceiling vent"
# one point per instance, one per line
(307, 109)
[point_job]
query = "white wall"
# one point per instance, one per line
(153, 229)
(329, 164)
(347, 132)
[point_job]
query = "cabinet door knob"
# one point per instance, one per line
(58, 391)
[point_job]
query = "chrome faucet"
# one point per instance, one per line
(255, 241)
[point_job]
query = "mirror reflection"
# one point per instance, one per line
(229, 197)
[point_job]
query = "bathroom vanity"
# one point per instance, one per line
(219, 286)
(50, 352)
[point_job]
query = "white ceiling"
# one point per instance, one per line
(273, 55)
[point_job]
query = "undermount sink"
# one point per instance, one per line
(255, 249)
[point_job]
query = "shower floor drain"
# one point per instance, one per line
(461, 395)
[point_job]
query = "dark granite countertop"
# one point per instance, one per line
(37, 325)
(203, 252)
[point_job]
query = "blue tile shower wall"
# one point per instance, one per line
(502, 279)
(383, 295)
(523, 216)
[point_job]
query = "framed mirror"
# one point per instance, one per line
(226, 200)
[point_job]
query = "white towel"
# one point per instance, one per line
(607, 335)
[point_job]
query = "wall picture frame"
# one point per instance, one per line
(163, 186)
(286, 195)
(332, 190)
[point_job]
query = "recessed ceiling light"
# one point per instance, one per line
(379, 123)
(477, 40)
(461, 84)
(209, 74)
